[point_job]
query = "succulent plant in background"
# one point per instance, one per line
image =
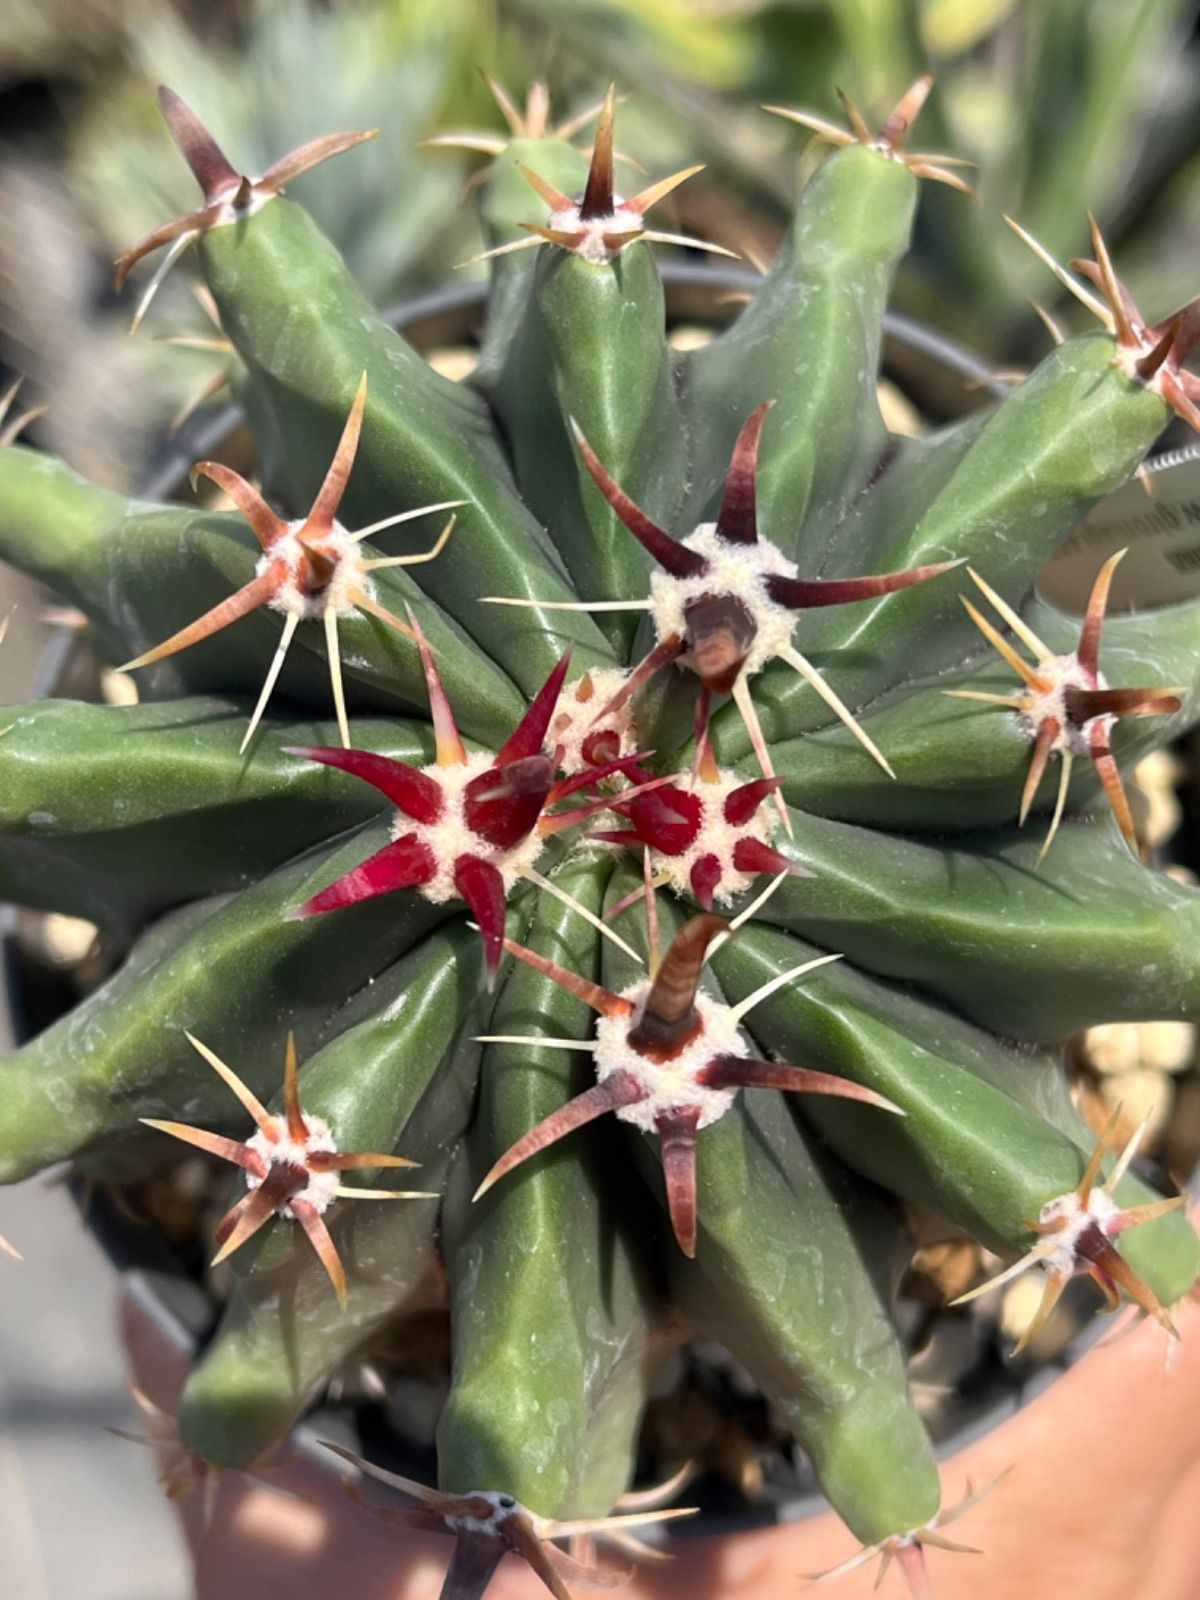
(364, 66)
(83, 184)
(730, 621)
(1082, 97)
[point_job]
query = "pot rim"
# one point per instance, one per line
(205, 433)
(151, 1278)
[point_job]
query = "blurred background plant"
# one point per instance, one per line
(1056, 100)
(84, 170)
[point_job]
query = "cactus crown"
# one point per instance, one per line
(691, 641)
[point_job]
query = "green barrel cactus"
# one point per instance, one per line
(677, 779)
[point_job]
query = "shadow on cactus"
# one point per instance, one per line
(687, 650)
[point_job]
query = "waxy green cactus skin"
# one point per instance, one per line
(959, 765)
(828, 1358)
(968, 958)
(305, 335)
(188, 816)
(546, 1265)
(504, 207)
(139, 572)
(598, 333)
(997, 940)
(402, 1081)
(810, 342)
(123, 1049)
(779, 1216)
(1083, 428)
(961, 1089)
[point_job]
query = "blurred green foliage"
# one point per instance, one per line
(293, 69)
(1054, 99)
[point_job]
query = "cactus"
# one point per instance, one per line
(696, 636)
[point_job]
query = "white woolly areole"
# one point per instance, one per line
(1060, 1250)
(229, 212)
(347, 572)
(1065, 673)
(450, 837)
(503, 1506)
(879, 146)
(670, 1085)
(592, 246)
(716, 838)
(319, 1140)
(574, 719)
(739, 570)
